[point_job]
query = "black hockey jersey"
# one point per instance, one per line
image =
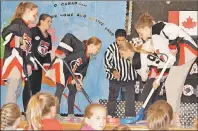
(76, 57)
(14, 57)
(41, 47)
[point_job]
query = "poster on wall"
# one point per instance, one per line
(84, 19)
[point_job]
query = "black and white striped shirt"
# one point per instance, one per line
(113, 61)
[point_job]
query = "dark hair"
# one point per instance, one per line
(120, 33)
(43, 17)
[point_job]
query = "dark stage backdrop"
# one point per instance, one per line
(159, 10)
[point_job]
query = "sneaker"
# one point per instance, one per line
(109, 116)
(23, 118)
(71, 117)
(58, 117)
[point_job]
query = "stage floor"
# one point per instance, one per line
(109, 126)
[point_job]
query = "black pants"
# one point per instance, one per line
(71, 97)
(159, 93)
(128, 95)
(35, 86)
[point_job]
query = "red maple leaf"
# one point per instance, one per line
(189, 23)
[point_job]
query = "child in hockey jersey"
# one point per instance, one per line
(41, 47)
(76, 54)
(177, 38)
(18, 61)
(151, 65)
(181, 46)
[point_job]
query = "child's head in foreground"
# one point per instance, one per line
(41, 106)
(159, 115)
(10, 116)
(95, 116)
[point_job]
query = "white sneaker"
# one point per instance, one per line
(23, 118)
(109, 116)
(71, 117)
(58, 116)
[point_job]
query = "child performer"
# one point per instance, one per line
(17, 61)
(76, 54)
(180, 45)
(41, 48)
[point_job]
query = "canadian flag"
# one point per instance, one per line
(187, 20)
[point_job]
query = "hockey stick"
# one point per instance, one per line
(140, 114)
(27, 91)
(65, 95)
(83, 91)
(51, 64)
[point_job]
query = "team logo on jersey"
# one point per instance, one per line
(27, 40)
(43, 48)
(157, 57)
(194, 69)
(37, 38)
(163, 57)
(75, 64)
(188, 90)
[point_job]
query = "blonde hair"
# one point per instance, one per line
(158, 120)
(9, 114)
(121, 128)
(21, 9)
(159, 115)
(39, 105)
(165, 106)
(89, 111)
(126, 45)
(93, 40)
(145, 20)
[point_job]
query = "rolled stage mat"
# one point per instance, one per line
(128, 120)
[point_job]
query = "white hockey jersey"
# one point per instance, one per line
(152, 64)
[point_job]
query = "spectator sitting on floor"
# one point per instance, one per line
(10, 116)
(159, 115)
(94, 117)
(41, 111)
